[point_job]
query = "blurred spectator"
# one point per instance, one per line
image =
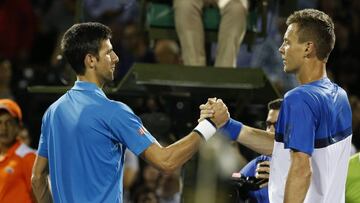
(151, 177)
(24, 136)
(155, 119)
(17, 27)
(145, 195)
(64, 10)
(169, 188)
(131, 170)
(16, 159)
(105, 11)
(134, 48)
(147, 182)
(265, 55)
(189, 26)
(153, 183)
(167, 52)
(5, 79)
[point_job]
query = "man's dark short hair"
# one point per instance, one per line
(275, 104)
(82, 39)
(316, 26)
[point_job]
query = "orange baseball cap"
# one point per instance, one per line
(12, 107)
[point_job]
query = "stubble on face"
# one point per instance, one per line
(106, 63)
(291, 50)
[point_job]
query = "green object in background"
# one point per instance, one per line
(352, 191)
(162, 15)
(211, 18)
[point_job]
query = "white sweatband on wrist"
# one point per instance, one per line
(206, 129)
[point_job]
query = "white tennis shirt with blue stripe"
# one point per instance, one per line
(84, 136)
(315, 119)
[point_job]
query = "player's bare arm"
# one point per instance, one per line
(175, 155)
(39, 180)
(299, 177)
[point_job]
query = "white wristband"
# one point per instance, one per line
(206, 129)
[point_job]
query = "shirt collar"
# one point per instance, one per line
(320, 81)
(87, 86)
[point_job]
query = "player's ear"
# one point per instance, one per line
(90, 60)
(309, 49)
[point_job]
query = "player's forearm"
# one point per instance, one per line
(41, 189)
(258, 140)
(181, 151)
(297, 184)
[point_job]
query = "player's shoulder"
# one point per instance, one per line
(298, 94)
(59, 102)
(119, 107)
(308, 93)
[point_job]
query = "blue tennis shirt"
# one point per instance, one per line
(84, 136)
(314, 116)
(315, 119)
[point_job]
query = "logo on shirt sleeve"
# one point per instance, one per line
(142, 130)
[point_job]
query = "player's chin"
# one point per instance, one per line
(287, 69)
(109, 78)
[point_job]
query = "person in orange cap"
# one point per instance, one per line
(16, 159)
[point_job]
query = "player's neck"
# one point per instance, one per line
(90, 78)
(312, 71)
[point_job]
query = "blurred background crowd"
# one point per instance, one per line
(30, 32)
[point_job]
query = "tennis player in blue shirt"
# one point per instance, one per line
(84, 134)
(313, 134)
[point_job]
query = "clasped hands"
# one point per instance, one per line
(216, 111)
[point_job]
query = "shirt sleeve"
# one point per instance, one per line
(298, 122)
(249, 168)
(43, 146)
(131, 161)
(128, 129)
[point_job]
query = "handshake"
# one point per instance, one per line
(214, 115)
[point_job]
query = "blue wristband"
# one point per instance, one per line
(231, 129)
